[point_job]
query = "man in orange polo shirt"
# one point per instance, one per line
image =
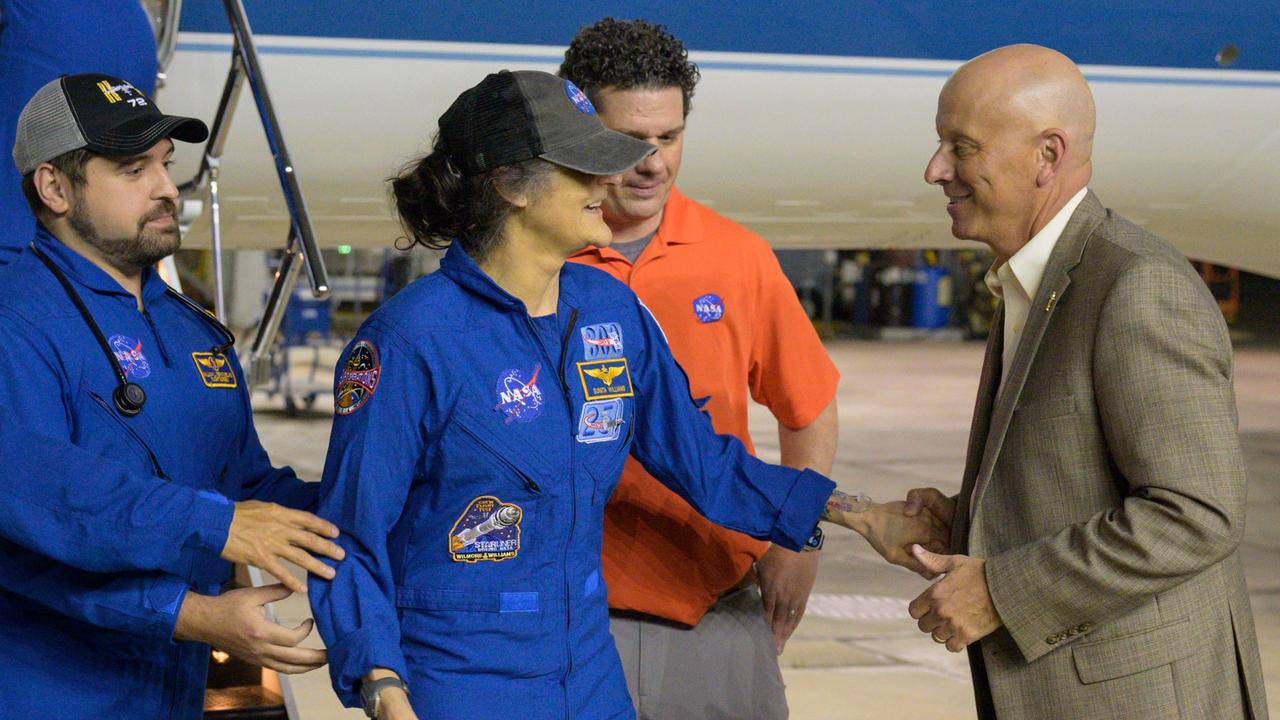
(697, 637)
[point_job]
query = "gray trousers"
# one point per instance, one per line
(725, 668)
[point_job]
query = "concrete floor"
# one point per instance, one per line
(904, 419)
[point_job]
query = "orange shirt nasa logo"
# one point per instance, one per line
(215, 370)
(603, 379)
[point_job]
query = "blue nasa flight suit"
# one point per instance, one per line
(82, 644)
(472, 453)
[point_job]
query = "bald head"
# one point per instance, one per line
(1033, 86)
(1016, 141)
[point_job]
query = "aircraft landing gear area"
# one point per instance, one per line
(305, 329)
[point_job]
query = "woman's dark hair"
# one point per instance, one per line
(437, 204)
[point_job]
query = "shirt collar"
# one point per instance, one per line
(85, 273)
(680, 225)
(1026, 267)
(1029, 262)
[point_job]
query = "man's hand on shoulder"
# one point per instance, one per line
(262, 534)
(786, 578)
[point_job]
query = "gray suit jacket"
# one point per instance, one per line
(1108, 493)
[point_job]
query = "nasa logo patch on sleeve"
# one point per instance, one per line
(358, 380)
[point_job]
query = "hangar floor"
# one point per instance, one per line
(904, 419)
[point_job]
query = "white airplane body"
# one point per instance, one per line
(809, 150)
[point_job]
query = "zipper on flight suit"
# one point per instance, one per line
(529, 484)
(573, 492)
(573, 511)
(155, 463)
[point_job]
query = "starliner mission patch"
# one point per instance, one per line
(358, 380)
(487, 531)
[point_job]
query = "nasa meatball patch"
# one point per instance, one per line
(519, 397)
(708, 308)
(358, 380)
(487, 531)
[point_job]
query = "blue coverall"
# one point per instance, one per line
(83, 644)
(126, 520)
(472, 453)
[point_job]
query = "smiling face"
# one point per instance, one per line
(126, 210)
(986, 164)
(566, 212)
(657, 117)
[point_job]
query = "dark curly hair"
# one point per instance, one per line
(629, 54)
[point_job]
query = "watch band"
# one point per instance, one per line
(370, 693)
(815, 541)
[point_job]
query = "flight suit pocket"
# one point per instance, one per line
(1134, 653)
(500, 633)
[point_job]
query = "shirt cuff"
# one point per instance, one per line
(802, 509)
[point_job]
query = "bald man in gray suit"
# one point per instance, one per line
(1095, 571)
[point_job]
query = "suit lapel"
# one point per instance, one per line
(987, 388)
(1053, 286)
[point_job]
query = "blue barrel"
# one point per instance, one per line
(931, 298)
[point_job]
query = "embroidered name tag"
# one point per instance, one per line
(215, 370)
(603, 379)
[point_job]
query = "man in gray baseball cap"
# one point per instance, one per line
(128, 386)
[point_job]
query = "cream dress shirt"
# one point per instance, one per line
(1016, 282)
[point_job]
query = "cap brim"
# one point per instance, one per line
(606, 152)
(139, 134)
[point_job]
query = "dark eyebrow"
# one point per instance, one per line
(665, 133)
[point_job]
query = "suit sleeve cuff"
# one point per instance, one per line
(210, 522)
(355, 656)
(802, 509)
(1022, 608)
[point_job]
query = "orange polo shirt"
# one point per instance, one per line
(735, 325)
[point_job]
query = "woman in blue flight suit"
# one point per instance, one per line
(482, 418)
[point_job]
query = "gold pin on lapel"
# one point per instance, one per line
(1053, 299)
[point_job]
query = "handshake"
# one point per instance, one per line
(892, 528)
(957, 610)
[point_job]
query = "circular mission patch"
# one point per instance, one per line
(358, 380)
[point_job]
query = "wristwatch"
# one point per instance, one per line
(814, 543)
(370, 691)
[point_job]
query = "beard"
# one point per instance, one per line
(130, 254)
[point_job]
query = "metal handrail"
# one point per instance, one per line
(165, 20)
(301, 241)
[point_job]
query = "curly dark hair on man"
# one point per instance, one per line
(629, 54)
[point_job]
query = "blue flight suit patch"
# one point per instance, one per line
(519, 399)
(129, 353)
(488, 530)
(602, 341)
(600, 421)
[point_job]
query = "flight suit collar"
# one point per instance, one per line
(83, 272)
(458, 266)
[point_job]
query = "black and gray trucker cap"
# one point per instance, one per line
(513, 116)
(102, 113)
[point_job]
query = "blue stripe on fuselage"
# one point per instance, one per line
(1179, 34)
